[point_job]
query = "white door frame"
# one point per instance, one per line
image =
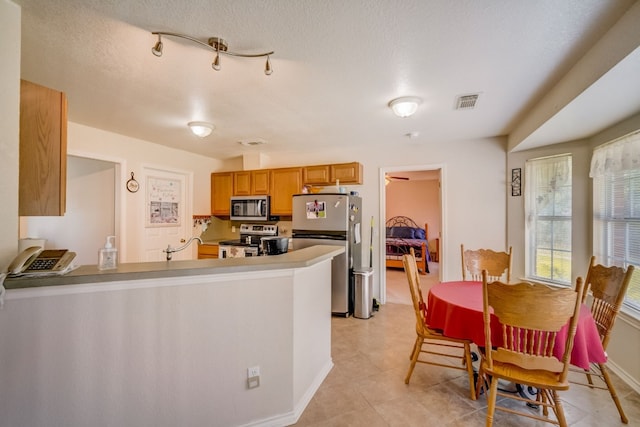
(382, 215)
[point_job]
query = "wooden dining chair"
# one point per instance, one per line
(607, 287)
(430, 343)
(497, 264)
(530, 317)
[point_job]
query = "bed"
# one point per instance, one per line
(402, 234)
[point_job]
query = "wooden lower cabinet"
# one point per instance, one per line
(207, 251)
(285, 182)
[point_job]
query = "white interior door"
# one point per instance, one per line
(167, 213)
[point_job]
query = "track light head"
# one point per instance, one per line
(267, 67)
(216, 62)
(157, 48)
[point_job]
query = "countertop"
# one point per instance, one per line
(162, 269)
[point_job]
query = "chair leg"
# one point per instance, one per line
(467, 358)
(416, 352)
(480, 382)
(491, 401)
(415, 348)
(558, 409)
(612, 391)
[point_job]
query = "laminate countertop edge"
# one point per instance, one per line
(163, 269)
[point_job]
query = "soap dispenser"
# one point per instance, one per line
(108, 256)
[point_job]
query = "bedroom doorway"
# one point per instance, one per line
(414, 192)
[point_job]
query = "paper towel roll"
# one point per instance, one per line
(28, 242)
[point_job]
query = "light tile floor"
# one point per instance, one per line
(366, 386)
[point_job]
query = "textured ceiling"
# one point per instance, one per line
(336, 65)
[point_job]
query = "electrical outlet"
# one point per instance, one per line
(253, 377)
(253, 372)
(233, 228)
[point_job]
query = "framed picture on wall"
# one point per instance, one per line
(163, 201)
(516, 182)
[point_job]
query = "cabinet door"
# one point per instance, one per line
(207, 251)
(242, 183)
(317, 175)
(43, 151)
(260, 182)
(221, 190)
(346, 173)
(285, 182)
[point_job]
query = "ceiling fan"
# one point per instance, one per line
(389, 178)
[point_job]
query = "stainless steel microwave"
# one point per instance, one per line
(249, 208)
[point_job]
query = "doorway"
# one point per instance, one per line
(415, 192)
(92, 210)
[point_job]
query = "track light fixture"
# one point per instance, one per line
(215, 44)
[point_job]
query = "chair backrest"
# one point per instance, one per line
(530, 316)
(419, 307)
(608, 285)
(497, 264)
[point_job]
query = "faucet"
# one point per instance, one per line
(171, 250)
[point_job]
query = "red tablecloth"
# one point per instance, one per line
(456, 309)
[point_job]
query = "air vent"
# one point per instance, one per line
(467, 102)
(252, 142)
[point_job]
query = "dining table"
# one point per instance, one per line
(456, 309)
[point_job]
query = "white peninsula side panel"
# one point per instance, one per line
(167, 352)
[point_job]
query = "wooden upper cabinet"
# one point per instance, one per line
(285, 182)
(260, 182)
(318, 175)
(251, 183)
(242, 183)
(346, 173)
(221, 192)
(43, 151)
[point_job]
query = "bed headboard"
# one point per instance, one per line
(405, 221)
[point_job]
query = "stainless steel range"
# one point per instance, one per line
(249, 242)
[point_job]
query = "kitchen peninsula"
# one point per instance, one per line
(168, 343)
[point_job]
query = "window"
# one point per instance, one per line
(548, 219)
(615, 169)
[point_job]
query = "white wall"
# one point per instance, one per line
(134, 154)
(9, 128)
(624, 346)
(473, 184)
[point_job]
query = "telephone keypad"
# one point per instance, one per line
(43, 264)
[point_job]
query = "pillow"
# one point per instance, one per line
(402, 232)
(419, 233)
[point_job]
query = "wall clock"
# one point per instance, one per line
(132, 184)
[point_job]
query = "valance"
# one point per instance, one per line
(620, 155)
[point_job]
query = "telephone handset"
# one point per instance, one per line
(38, 261)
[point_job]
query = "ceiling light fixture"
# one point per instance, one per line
(405, 106)
(215, 44)
(201, 129)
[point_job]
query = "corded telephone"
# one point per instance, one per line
(38, 261)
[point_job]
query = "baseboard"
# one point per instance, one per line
(631, 382)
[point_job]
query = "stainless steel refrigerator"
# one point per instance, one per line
(332, 219)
